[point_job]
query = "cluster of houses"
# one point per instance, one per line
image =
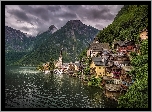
(113, 64)
(110, 64)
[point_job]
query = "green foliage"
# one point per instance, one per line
(137, 95)
(40, 67)
(94, 82)
(87, 70)
(51, 65)
(83, 54)
(12, 57)
(128, 22)
(126, 26)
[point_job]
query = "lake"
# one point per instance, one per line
(26, 87)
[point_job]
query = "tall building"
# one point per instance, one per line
(59, 62)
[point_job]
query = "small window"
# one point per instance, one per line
(99, 67)
(100, 72)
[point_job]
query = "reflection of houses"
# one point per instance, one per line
(96, 48)
(144, 34)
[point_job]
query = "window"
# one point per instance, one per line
(99, 67)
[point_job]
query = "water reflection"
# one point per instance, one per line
(28, 88)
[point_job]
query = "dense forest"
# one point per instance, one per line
(129, 21)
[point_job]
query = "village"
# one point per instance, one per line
(109, 64)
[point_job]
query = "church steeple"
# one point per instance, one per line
(60, 58)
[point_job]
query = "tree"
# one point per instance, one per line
(137, 95)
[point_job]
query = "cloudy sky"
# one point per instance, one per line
(34, 19)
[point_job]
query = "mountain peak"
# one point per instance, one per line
(74, 21)
(52, 29)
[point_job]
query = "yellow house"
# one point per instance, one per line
(98, 65)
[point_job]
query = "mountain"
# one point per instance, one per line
(17, 41)
(73, 37)
(17, 44)
(52, 29)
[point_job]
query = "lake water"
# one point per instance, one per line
(25, 87)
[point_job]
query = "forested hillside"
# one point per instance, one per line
(17, 44)
(73, 37)
(130, 20)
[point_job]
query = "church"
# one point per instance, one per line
(59, 62)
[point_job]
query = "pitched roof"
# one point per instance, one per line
(99, 61)
(99, 46)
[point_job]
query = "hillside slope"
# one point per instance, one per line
(73, 37)
(128, 22)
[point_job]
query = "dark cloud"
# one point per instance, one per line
(54, 8)
(74, 7)
(42, 16)
(99, 26)
(25, 29)
(38, 11)
(19, 14)
(68, 15)
(95, 14)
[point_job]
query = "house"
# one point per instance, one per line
(98, 64)
(144, 34)
(96, 48)
(77, 66)
(71, 68)
(124, 46)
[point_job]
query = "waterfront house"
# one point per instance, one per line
(77, 66)
(96, 47)
(98, 63)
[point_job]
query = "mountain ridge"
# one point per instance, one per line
(73, 37)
